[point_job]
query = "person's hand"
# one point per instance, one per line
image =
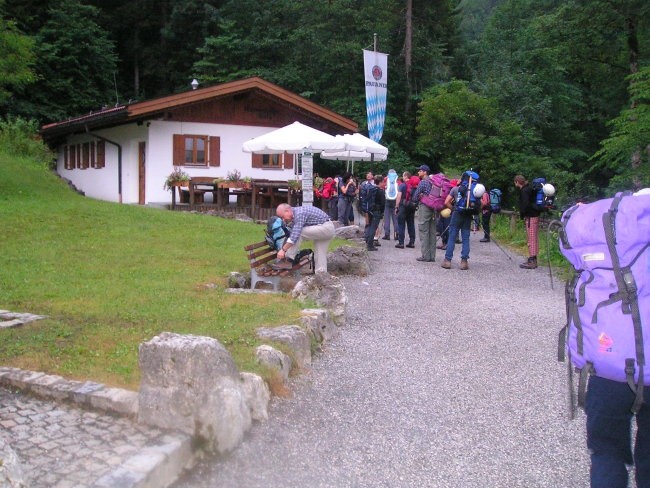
(281, 253)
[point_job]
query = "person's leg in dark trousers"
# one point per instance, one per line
(485, 220)
(410, 225)
(375, 217)
(609, 419)
(401, 225)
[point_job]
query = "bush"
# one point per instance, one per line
(19, 137)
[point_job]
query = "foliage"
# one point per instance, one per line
(176, 176)
(63, 254)
(234, 175)
(16, 58)
(75, 64)
(630, 139)
(18, 138)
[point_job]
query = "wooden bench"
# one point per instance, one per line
(261, 257)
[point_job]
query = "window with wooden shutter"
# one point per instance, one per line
(215, 151)
(73, 156)
(256, 160)
(93, 155)
(179, 150)
(101, 154)
(288, 161)
(85, 155)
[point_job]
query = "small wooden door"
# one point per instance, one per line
(141, 172)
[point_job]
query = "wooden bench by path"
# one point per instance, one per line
(261, 257)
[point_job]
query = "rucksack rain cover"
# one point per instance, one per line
(601, 314)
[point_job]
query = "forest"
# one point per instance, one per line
(553, 88)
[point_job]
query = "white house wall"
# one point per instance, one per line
(102, 183)
(160, 150)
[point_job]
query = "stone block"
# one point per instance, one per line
(319, 324)
(272, 358)
(256, 394)
(295, 337)
(192, 384)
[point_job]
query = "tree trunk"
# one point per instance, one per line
(408, 53)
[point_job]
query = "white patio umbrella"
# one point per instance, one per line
(357, 148)
(293, 139)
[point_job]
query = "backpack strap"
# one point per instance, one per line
(628, 295)
(585, 372)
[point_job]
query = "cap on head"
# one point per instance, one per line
(424, 167)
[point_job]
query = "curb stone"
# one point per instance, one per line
(153, 466)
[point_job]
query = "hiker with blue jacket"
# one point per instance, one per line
(426, 217)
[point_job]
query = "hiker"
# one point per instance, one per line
(309, 223)
(347, 189)
(331, 197)
(605, 337)
(363, 190)
(426, 217)
(376, 203)
(405, 211)
(390, 215)
(530, 214)
(486, 213)
(462, 216)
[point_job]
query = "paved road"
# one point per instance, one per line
(441, 378)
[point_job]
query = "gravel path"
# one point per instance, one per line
(441, 378)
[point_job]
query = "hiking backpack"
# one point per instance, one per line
(495, 200)
(440, 188)
(467, 201)
(367, 204)
(277, 232)
(391, 185)
(607, 332)
(329, 189)
(541, 202)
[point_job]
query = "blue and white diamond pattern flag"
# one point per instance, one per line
(376, 74)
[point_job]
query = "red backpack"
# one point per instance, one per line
(328, 189)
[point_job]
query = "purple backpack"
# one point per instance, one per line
(608, 298)
(440, 188)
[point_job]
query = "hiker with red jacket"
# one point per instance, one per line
(405, 211)
(530, 214)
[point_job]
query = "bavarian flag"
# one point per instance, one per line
(375, 66)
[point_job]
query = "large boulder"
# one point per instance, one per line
(257, 395)
(348, 260)
(326, 290)
(192, 384)
(349, 232)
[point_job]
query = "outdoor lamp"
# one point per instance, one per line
(195, 84)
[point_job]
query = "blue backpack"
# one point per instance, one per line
(495, 200)
(466, 201)
(391, 185)
(369, 197)
(542, 201)
(608, 298)
(276, 232)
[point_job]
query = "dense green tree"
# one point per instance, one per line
(16, 58)
(626, 152)
(75, 64)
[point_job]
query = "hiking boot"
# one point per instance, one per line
(372, 248)
(424, 260)
(399, 246)
(530, 264)
(464, 265)
(485, 239)
(386, 238)
(411, 245)
(282, 264)
(446, 264)
(376, 243)
(441, 246)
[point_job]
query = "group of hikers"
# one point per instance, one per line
(607, 335)
(444, 208)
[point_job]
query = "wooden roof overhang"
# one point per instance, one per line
(320, 117)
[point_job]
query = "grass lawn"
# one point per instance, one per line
(110, 277)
